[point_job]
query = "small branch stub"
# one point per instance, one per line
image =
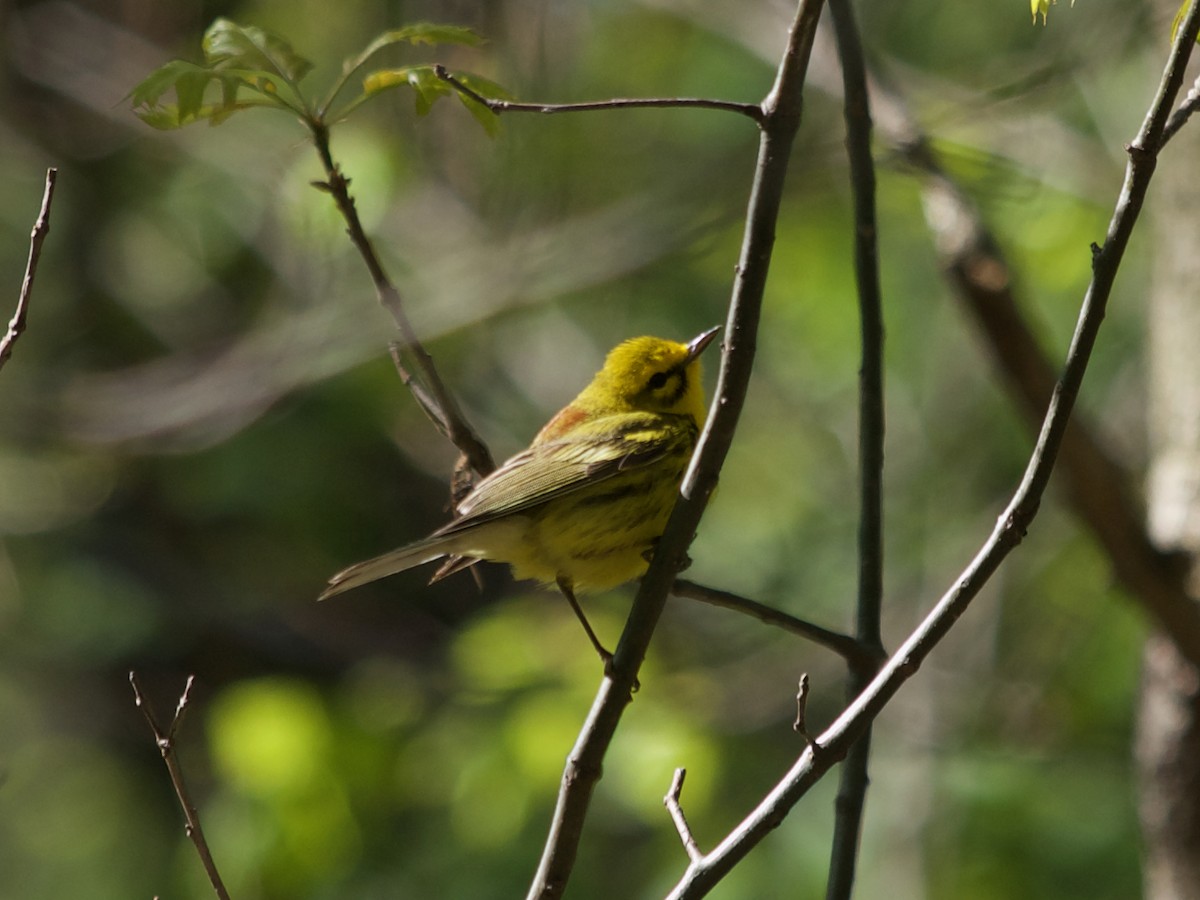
(671, 801)
(800, 726)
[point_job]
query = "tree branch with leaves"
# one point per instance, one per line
(248, 68)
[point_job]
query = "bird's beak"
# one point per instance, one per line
(697, 344)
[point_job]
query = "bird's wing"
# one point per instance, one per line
(556, 468)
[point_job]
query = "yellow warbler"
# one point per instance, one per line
(583, 506)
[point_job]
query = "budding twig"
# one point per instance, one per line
(165, 741)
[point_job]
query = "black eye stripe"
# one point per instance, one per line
(660, 380)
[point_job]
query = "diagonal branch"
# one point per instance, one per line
(782, 110)
(675, 808)
(856, 654)
(1185, 111)
(1099, 488)
(1010, 529)
(16, 327)
(852, 790)
(436, 399)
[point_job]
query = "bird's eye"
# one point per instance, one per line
(657, 380)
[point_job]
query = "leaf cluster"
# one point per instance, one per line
(246, 67)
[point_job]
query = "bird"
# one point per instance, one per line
(583, 506)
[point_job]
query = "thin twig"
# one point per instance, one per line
(460, 432)
(1012, 524)
(852, 790)
(16, 327)
(1184, 112)
(165, 741)
(751, 110)
(857, 655)
(671, 801)
(782, 111)
(428, 405)
(1098, 487)
(800, 725)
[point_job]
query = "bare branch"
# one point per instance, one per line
(1010, 529)
(16, 327)
(1179, 118)
(428, 405)
(165, 740)
(1099, 488)
(671, 801)
(751, 110)
(857, 655)
(782, 111)
(852, 790)
(456, 426)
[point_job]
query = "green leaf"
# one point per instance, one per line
(191, 82)
(1178, 21)
(421, 33)
(161, 80)
(236, 59)
(383, 79)
(428, 89)
(1042, 7)
(229, 45)
(484, 87)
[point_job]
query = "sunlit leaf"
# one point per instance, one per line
(427, 87)
(1178, 21)
(229, 45)
(421, 33)
(1042, 7)
(384, 79)
(484, 87)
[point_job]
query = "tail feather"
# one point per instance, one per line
(388, 564)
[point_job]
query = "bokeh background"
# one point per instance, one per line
(202, 424)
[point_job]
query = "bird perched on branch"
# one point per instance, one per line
(585, 504)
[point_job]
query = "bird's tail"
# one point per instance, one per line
(388, 564)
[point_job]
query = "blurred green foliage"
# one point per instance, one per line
(202, 424)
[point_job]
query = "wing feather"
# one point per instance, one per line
(556, 468)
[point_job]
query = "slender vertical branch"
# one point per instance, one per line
(701, 876)
(16, 327)
(781, 120)
(165, 741)
(853, 788)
